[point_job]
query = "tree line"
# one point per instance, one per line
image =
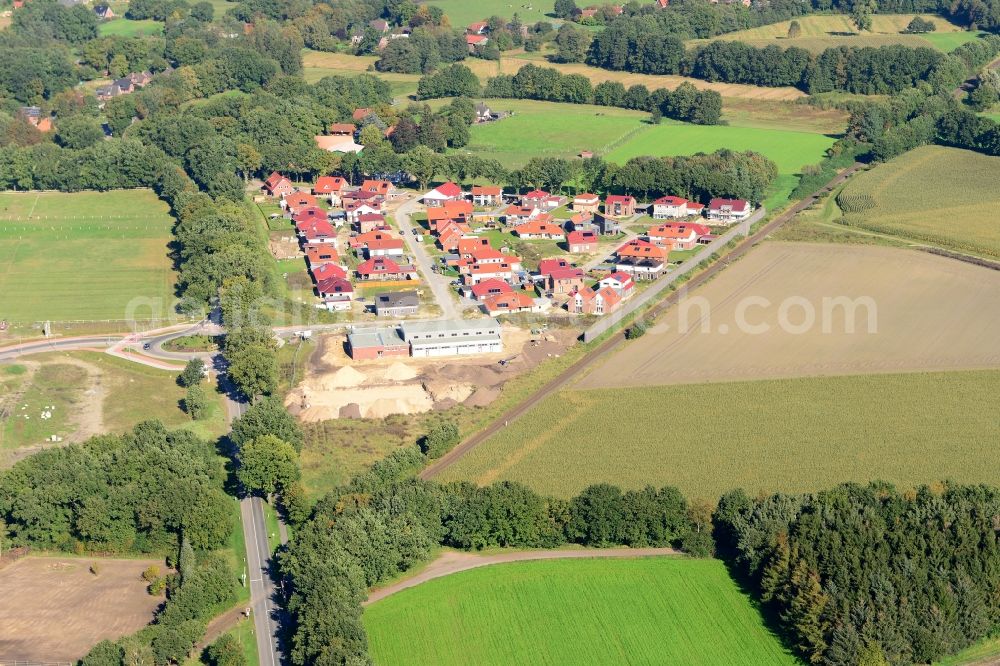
(385, 522)
(869, 574)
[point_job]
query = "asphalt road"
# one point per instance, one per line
(438, 284)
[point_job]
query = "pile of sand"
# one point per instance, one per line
(346, 377)
(400, 372)
(369, 402)
(482, 397)
(446, 390)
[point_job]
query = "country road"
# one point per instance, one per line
(599, 352)
(451, 562)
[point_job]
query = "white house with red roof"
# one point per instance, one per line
(486, 288)
(446, 192)
(385, 268)
(677, 235)
(327, 271)
(317, 231)
(378, 244)
(670, 208)
(319, 254)
(728, 211)
(336, 293)
(622, 283)
(475, 40)
(485, 196)
(310, 214)
(354, 212)
(541, 228)
(332, 187)
(600, 301)
(586, 203)
(478, 28)
(516, 215)
(512, 303)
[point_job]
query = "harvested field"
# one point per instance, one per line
(55, 609)
(787, 435)
(932, 194)
(929, 313)
(823, 32)
(654, 610)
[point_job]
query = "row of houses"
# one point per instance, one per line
(428, 339)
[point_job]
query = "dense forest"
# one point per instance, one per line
(868, 574)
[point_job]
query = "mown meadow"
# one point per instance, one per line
(577, 611)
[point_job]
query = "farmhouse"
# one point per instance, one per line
(439, 195)
(728, 211)
(618, 205)
(673, 208)
(485, 197)
(453, 338)
(336, 293)
(484, 114)
(478, 28)
(677, 235)
(378, 342)
(603, 300)
(278, 186)
(586, 203)
(511, 303)
(541, 228)
(475, 40)
(384, 268)
(341, 129)
(397, 303)
(578, 242)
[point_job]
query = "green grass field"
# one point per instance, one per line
(463, 12)
(563, 130)
(777, 435)
(122, 27)
(827, 31)
(931, 194)
(658, 610)
(84, 256)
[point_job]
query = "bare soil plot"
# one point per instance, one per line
(929, 313)
(55, 609)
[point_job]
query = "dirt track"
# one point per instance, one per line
(451, 562)
(604, 348)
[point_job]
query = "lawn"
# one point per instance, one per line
(319, 64)
(562, 130)
(789, 150)
(931, 194)
(463, 12)
(122, 27)
(91, 256)
(828, 31)
(787, 435)
(657, 610)
(53, 390)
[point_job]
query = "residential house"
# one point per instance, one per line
(355, 210)
(375, 343)
(296, 201)
(486, 197)
(586, 203)
(670, 208)
(450, 234)
(580, 222)
(541, 200)
(484, 114)
(619, 205)
(511, 303)
(517, 215)
(363, 196)
(308, 216)
(443, 193)
(479, 272)
(397, 304)
(342, 129)
(379, 25)
(606, 225)
(600, 301)
(677, 235)
(33, 115)
(317, 231)
(318, 254)
(361, 113)
(728, 211)
(382, 188)
(579, 242)
(487, 288)
(385, 269)
(377, 244)
(453, 338)
(338, 144)
(622, 283)
(478, 28)
(541, 228)
(546, 266)
(472, 246)
(455, 211)
(661, 4)
(475, 41)
(327, 271)
(336, 293)
(278, 186)
(564, 281)
(332, 187)
(371, 222)
(104, 12)
(641, 259)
